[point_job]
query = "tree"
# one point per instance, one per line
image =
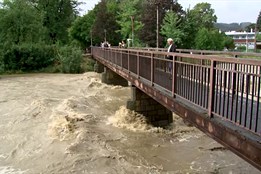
(81, 29)
(128, 18)
(258, 22)
(209, 40)
(58, 16)
(171, 28)
(20, 23)
(204, 16)
(148, 33)
(105, 25)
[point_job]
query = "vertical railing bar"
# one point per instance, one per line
(185, 81)
(258, 97)
(138, 64)
(193, 84)
(152, 68)
(237, 91)
(201, 84)
(220, 91)
(121, 60)
(208, 86)
(247, 93)
(224, 92)
(241, 98)
(216, 95)
(182, 77)
(205, 87)
(212, 87)
(128, 61)
(189, 81)
(196, 82)
(174, 77)
(256, 88)
(252, 102)
(228, 95)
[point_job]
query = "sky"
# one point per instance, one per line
(227, 11)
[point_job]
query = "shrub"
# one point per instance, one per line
(70, 59)
(28, 57)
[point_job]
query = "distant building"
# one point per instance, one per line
(243, 38)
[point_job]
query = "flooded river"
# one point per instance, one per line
(60, 123)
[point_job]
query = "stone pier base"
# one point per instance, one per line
(155, 113)
(98, 67)
(110, 77)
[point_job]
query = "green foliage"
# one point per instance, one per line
(81, 29)
(27, 57)
(209, 40)
(105, 24)
(19, 23)
(171, 29)
(58, 16)
(258, 22)
(228, 42)
(129, 15)
(258, 37)
(70, 59)
(203, 15)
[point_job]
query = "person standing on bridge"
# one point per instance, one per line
(171, 48)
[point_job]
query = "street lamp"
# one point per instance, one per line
(246, 42)
(91, 37)
(132, 29)
(105, 34)
(157, 25)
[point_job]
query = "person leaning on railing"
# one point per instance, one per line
(171, 48)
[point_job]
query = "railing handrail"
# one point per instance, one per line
(196, 56)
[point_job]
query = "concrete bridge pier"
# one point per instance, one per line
(98, 67)
(155, 113)
(111, 78)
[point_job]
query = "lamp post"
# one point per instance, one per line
(91, 37)
(246, 42)
(132, 29)
(105, 34)
(157, 25)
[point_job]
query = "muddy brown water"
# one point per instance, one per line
(61, 123)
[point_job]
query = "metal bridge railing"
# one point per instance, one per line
(224, 87)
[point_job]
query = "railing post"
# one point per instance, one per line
(128, 61)
(152, 69)
(174, 77)
(212, 88)
(234, 78)
(121, 60)
(138, 64)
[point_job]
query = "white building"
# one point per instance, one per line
(243, 38)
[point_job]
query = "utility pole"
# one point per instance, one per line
(105, 34)
(91, 37)
(157, 25)
(132, 29)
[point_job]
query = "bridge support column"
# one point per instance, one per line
(155, 113)
(98, 67)
(110, 77)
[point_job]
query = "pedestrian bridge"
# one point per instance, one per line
(218, 92)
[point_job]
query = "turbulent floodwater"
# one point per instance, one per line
(60, 123)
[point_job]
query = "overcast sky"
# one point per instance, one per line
(227, 11)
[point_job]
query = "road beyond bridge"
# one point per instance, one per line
(217, 93)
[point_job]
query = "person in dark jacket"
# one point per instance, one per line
(171, 48)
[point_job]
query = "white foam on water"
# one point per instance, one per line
(133, 121)
(127, 119)
(10, 170)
